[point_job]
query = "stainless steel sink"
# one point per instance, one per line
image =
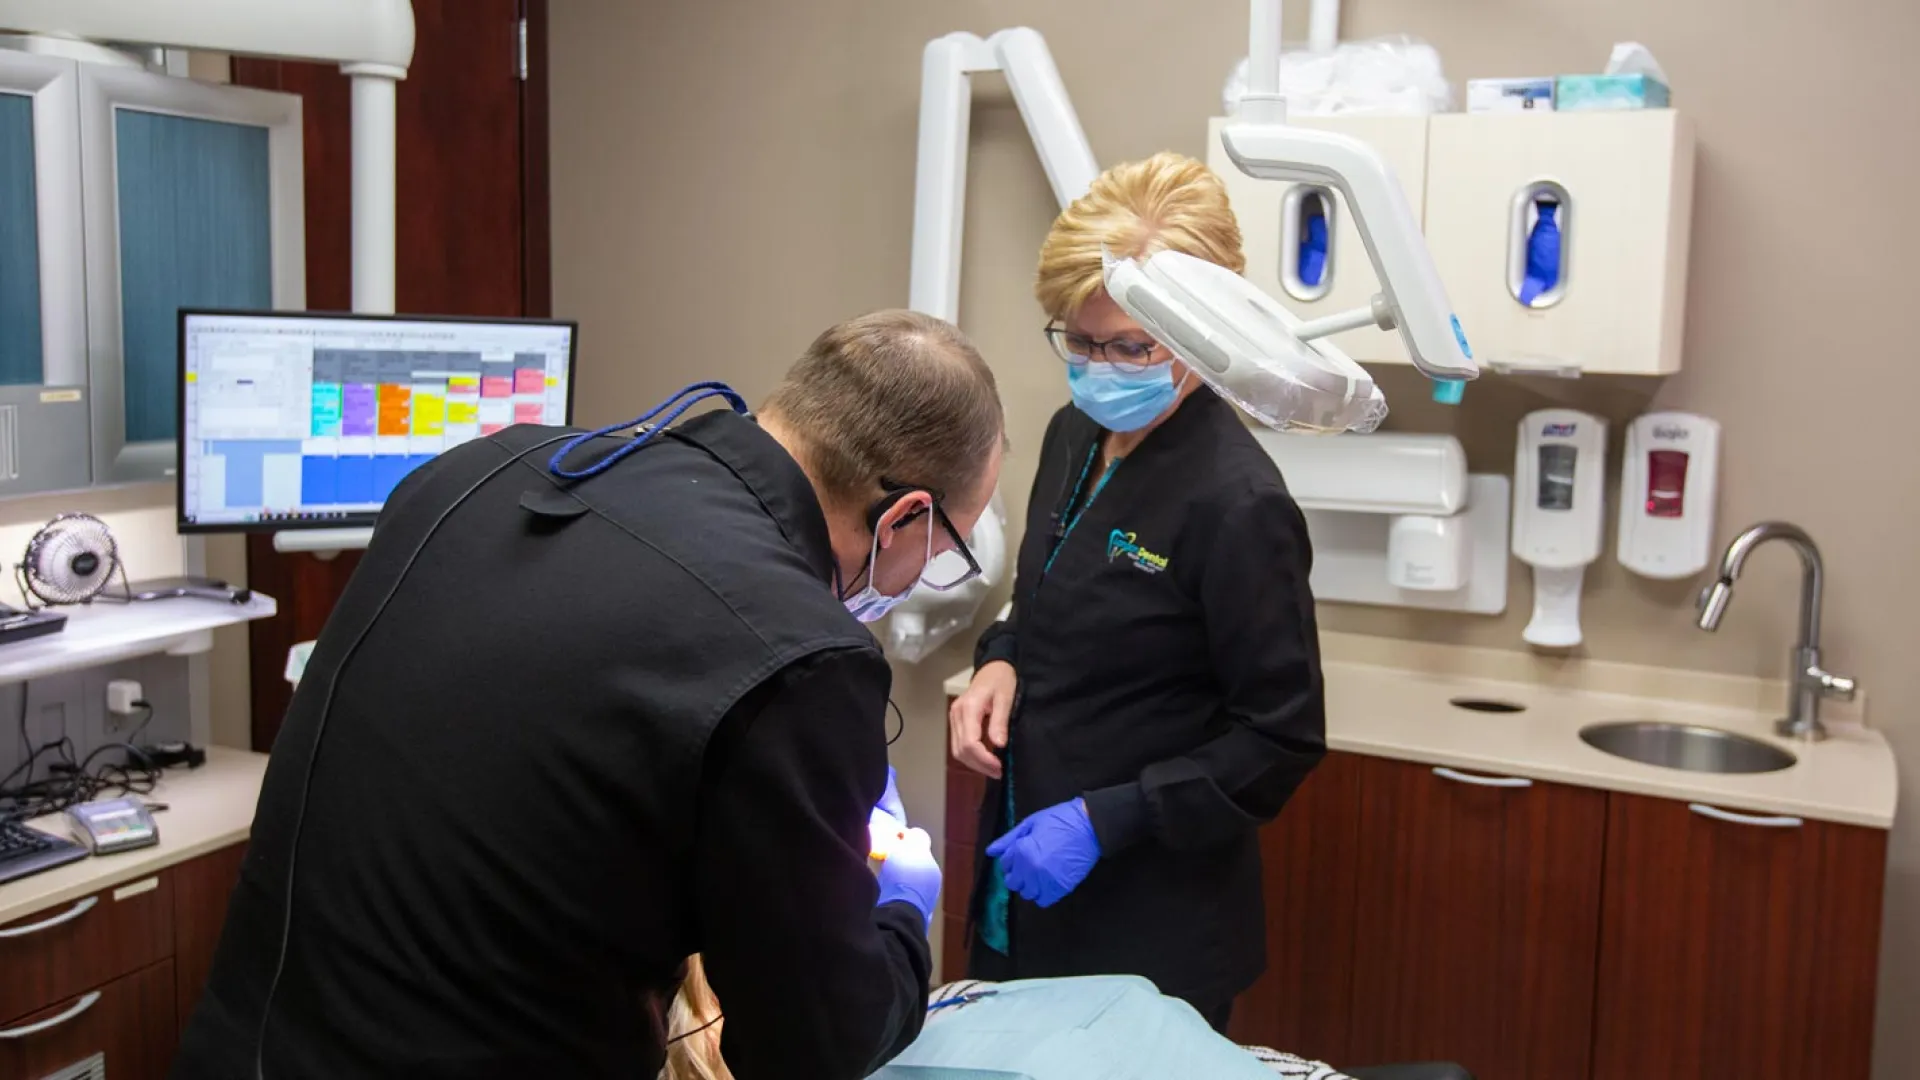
(1685, 746)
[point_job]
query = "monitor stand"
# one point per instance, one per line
(322, 543)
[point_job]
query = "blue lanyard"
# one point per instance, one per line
(1080, 511)
(994, 930)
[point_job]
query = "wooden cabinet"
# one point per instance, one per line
(1736, 948)
(1477, 920)
(1531, 930)
(1310, 861)
(965, 789)
(201, 889)
(57, 954)
(114, 973)
(128, 1023)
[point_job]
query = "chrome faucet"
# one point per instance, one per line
(1810, 682)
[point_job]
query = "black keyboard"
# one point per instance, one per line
(26, 851)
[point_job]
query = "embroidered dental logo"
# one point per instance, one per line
(1121, 543)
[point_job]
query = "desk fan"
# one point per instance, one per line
(71, 560)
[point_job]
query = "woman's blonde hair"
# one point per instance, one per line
(694, 1022)
(1169, 202)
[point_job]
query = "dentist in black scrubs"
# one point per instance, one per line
(1155, 695)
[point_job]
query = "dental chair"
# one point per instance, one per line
(1112, 1027)
(1432, 1070)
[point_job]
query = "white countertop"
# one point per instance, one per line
(1405, 714)
(207, 809)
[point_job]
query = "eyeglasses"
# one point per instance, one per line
(947, 570)
(1127, 354)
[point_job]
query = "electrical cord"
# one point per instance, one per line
(71, 782)
(897, 715)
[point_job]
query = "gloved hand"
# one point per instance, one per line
(884, 831)
(910, 875)
(890, 799)
(1049, 854)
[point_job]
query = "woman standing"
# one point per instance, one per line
(1155, 695)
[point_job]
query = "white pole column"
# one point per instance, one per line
(375, 187)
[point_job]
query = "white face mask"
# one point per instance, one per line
(870, 604)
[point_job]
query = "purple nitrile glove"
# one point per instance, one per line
(1046, 856)
(890, 799)
(911, 876)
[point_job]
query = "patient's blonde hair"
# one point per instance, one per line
(1169, 202)
(697, 1056)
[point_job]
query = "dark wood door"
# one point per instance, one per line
(202, 888)
(1735, 949)
(472, 234)
(965, 789)
(1310, 857)
(1476, 923)
(128, 1022)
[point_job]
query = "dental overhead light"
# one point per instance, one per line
(1248, 347)
(1277, 367)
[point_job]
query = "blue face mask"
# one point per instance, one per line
(1121, 400)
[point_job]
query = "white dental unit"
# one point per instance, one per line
(1280, 369)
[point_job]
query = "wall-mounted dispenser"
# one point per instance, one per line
(1396, 520)
(1668, 482)
(1564, 237)
(1558, 482)
(1537, 244)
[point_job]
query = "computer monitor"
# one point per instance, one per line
(294, 421)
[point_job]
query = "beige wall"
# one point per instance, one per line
(729, 178)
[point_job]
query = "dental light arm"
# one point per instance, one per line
(946, 109)
(928, 619)
(1261, 143)
(1411, 297)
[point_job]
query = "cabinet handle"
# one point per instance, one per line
(80, 907)
(1765, 821)
(86, 1002)
(1445, 773)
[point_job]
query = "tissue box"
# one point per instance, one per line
(1509, 95)
(1585, 93)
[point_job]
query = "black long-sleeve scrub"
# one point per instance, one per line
(572, 735)
(1169, 673)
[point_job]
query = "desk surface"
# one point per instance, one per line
(207, 809)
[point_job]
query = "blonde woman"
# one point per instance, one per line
(1155, 695)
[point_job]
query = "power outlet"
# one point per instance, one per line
(123, 705)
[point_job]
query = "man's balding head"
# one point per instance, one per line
(895, 395)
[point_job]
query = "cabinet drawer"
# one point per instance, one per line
(128, 1022)
(55, 954)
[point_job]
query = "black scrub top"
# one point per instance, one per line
(1169, 673)
(573, 736)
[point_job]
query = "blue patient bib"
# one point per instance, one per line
(1097, 1028)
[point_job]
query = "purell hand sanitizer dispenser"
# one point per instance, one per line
(1557, 493)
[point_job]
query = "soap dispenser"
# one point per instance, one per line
(1558, 485)
(1667, 489)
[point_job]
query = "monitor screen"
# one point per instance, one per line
(299, 421)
